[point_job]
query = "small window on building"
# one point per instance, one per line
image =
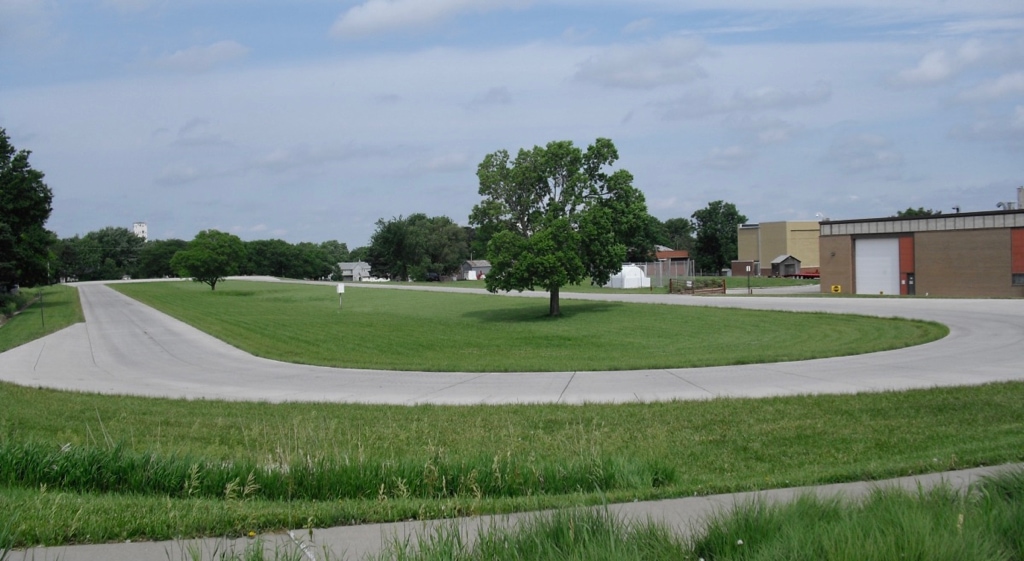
(1018, 279)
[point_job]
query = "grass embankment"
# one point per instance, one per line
(114, 468)
(58, 308)
(416, 330)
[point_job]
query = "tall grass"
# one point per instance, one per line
(940, 523)
(118, 470)
(986, 523)
(575, 534)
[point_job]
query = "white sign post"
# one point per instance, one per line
(341, 292)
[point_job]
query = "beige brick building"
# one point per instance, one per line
(762, 243)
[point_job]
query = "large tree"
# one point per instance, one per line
(119, 250)
(413, 247)
(558, 216)
(716, 226)
(25, 206)
(678, 234)
(155, 258)
(209, 257)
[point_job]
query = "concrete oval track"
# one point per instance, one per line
(128, 348)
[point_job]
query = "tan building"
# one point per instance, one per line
(762, 243)
(967, 254)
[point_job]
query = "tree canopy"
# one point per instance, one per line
(25, 206)
(913, 212)
(413, 247)
(209, 257)
(716, 226)
(155, 258)
(558, 217)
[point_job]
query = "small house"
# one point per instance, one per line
(785, 266)
(474, 269)
(354, 272)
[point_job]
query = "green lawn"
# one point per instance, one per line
(80, 468)
(135, 456)
(416, 330)
(58, 308)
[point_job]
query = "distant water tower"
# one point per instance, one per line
(140, 230)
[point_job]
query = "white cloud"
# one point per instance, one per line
(639, 26)
(1006, 131)
(764, 130)
(702, 102)
(985, 25)
(777, 98)
(494, 96)
(376, 16)
(25, 21)
(940, 66)
(197, 132)
(199, 59)
(1005, 85)
(669, 61)
(454, 161)
(730, 157)
(177, 175)
(861, 153)
(130, 6)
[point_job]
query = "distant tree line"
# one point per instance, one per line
(114, 253)
(559, 191)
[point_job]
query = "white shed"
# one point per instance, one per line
(630, 276)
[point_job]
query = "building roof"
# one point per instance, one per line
(782, 258)
(938, 222)
(672, 254)
(475, 263)
(354, 265)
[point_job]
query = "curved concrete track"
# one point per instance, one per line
(128, 348)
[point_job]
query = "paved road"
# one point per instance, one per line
(128, 348)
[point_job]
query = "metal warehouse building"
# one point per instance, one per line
(968, 254)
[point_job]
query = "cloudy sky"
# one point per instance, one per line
(308, 120)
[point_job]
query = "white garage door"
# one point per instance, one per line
(878, 265)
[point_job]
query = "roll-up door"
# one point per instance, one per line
(877, 265)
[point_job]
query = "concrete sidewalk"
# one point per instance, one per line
(358, 542)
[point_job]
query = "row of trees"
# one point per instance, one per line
(552, 215)
(114, 253)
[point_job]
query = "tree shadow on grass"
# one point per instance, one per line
(226, 293)
(539, 313)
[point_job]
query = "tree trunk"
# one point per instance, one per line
(553, 309)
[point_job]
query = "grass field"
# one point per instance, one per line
(181, 468)
(416, 330)
(78, 468)
(59, 308)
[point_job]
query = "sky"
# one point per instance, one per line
(310, 120)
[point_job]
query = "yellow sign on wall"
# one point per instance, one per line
(836, 288)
